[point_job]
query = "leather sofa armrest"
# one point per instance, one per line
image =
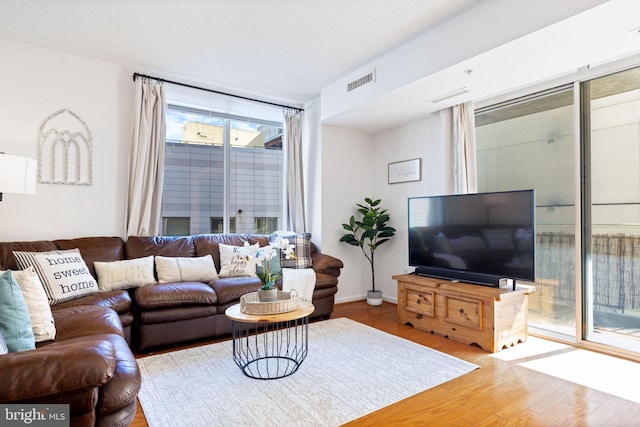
(322, 263)
(57, 369)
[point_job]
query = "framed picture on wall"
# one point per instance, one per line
(405, 171)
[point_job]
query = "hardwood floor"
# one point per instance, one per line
(500, 393)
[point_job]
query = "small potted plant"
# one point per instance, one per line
(368, 233)
(262, 257)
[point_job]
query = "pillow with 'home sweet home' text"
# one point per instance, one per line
(64, 274)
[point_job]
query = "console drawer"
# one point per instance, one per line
(464, 312)
(420, 301)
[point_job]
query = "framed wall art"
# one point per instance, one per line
(405, 171)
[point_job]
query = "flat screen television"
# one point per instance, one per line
(478, 238)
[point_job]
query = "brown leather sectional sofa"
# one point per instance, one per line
(89, 363)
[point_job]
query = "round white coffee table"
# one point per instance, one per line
(270, 346)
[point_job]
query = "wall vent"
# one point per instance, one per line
(361, 81)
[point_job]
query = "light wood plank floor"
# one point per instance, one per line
(500, 393)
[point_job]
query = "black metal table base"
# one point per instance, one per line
(268, 351)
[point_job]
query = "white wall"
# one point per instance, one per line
(421, 139)
(348, 172)
(35, 83)
(355, 167)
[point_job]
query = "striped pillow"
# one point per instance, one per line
(64, 274)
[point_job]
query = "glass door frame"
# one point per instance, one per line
(585, 325)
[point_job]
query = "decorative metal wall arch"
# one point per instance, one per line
(65, 150)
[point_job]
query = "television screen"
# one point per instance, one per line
(478, 238)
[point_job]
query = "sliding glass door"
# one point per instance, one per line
(587, 202)
(530, 143)
(611, 209)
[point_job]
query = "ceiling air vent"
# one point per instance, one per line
(361, 81)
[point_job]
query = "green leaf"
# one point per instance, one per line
(379, 242)
(370, 234)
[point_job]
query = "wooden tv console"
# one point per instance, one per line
(492, 318)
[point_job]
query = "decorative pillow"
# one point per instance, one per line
(15, 324)
(3, 346)
(64, 274)
(232, 264)
(130, 273)
(498, 238)
(302, 250)
(186, 269)
(42, 324)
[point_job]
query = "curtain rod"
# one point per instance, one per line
(136, 75)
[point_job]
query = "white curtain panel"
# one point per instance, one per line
(465, 179)
(146, 160)
(294, 183)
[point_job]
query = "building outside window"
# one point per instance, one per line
(176, 226)
(217, 225)
(266, 225)
(222, 172)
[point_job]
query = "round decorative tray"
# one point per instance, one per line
(285, 302)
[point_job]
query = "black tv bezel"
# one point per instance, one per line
(468, 276)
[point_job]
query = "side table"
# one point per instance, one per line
(270, 346)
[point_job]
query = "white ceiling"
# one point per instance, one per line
(280, 50)
(288, 51)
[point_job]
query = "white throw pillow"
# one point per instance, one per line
(232, 264)
(42, 324)
(185, 269)
(130, 273)
(64, 274)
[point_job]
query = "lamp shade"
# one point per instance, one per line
(17, 174)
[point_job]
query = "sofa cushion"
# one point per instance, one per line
(118, 300)
(15, 324)
(124, 385)
(129, 273)
(138, 247)
(185, 269)
(232, 288)
(174, 294)
(37, 302)
(177, 314)
(233, 264)
(104, 249)
(64, 273)
(8, 260)
(85, 320)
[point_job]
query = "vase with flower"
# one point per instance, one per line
(262, 256)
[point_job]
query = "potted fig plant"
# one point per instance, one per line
(369, 232)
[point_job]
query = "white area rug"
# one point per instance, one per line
(350, 371)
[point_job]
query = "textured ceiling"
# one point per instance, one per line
(282, 50)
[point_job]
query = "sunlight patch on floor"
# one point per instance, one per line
(612, 375)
